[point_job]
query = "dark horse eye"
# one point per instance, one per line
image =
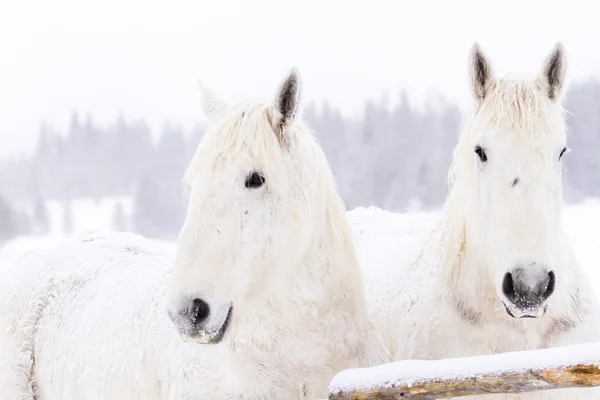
(562, 153)
(254, 180)
(481, 153)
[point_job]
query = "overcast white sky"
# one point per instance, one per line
(145, 57)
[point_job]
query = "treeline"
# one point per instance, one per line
(395, 157)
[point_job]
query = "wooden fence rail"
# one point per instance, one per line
(526, 371)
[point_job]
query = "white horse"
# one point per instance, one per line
(496, 272)
(265, 283)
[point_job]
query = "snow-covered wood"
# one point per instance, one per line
(516, 372)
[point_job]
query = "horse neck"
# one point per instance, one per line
(329, 268)
(322, 301)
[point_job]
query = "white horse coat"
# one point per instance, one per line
(446, 285)
(91, 319)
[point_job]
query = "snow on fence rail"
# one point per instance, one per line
(524, 371)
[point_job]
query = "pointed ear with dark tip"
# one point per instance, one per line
(480, 71)
(287, 100)
(552, 78)
(211, 104)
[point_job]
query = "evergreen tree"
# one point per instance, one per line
(11, 222)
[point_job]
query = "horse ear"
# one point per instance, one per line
(480, 71)
(211, 104)
(287, 100)
(553, 74)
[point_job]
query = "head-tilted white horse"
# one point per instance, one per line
(265, 259)
(265, 287)
(497, 273)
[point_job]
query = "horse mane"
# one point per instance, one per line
(243, 126)
(517, 107)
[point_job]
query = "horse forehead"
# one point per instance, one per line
(245, 135)
(521, 109)
(535, 136)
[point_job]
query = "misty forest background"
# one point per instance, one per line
(395, 157)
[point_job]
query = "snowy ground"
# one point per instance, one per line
(582, 223)
(87, 215)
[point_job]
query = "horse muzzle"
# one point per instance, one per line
(527, 312)
(200, 323)
(526, 290)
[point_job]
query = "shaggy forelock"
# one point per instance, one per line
(520, 108)
(243, 128)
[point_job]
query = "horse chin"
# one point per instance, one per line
(517, 313)
(210, 337)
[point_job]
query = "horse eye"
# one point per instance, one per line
(254, 180)
(481, 153)
(562, 153)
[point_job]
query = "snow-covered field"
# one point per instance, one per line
(582, 223)
(88, 214)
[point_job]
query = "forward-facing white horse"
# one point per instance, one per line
(265, 284)
(496, 273)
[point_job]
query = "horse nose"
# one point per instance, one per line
(198, 312)
(549, 283)
(190, 316)
(527, 290)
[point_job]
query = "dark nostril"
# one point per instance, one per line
(200, 311)
(551, 285)
(508, 286)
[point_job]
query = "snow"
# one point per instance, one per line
(410, 372)
(21, 245)
(582, 223)
(90, 217)
(88, 214)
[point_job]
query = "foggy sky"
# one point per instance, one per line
(144, 58)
